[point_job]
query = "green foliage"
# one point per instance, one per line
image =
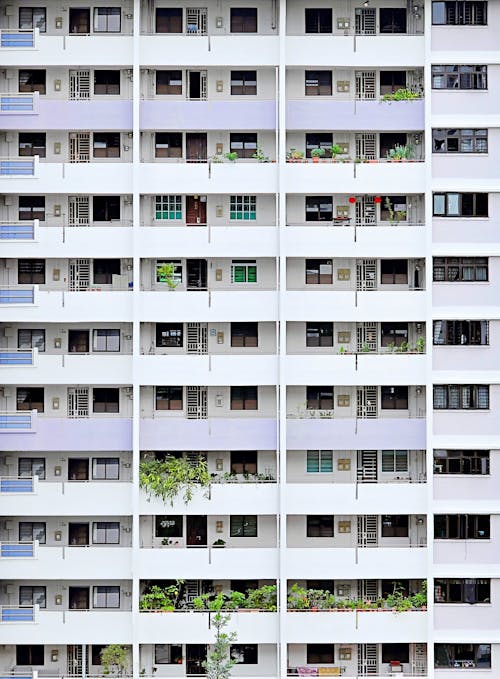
(420, 345)
(401, 152)
(335, 150)
(394, 215)
(403, 94)
(219, 663)
(263, 598)
(260, 156)
(318, 153)
(231, 156)
(166, 274)
(160, 598)
(293, 154)
(114, 659)
(168, 478)
(301, 599)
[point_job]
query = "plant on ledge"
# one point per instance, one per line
(114, 659)
(161, 598)
(231, 156)
(403, 94)
(335, 150)
(395, 216)
(172, 476)
(316, 154)
(294, 156)
(166, 274)
(401, 152)
(260, 156)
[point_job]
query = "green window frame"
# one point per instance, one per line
(243, 208)
(319, 461)
(394, 460)
(168, 208)
(244, 271)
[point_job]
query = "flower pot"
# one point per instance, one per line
(315, 159)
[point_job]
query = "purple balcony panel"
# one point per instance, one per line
(311, 114)
(74, 115)
(208, 115)
(346, 434)
(213, 434)
(51, 433)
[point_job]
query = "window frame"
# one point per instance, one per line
(318, 83)
(468, 77)
(243, 83)
(244, 334)
(320, 397)
(32, 397)
(106, 209)
(29, 210)
(31, 271)
(106, 144)
(243, 462)
(112, 462)
(102, 399)
(451, 650)
(241, 23)
(177, 274)
(319, 334)
(168, 87)
(33, 23)
(453, 13)
(169, 335)
(313, 273)
(32, 595)
(110, 591)
(452, 269)
(103, 14)
(467, 589)
(107, 86)
(468, 140)
(103, 271)
(323, 20)
(30, 654)
(243, 526)
(319, 461)
(394, 271)
(244, 397)
(32, 144)
(394, 397)
(31, 338)
(461, 462)
(244, 654)
(109, 528)
(168, 144)
(35, 463)
(109, 335)
(246, 270)
(396, 461)
(169, 397)
(319, 207)
(168, 208)
(243, 207)
(456, 204)
(394, 526)
(170, 20)
(171, 657)
(462, 527)
(245, 144)
(457, 396)
(455, 333)
(39, 77)
(38, 530)
(320, 526)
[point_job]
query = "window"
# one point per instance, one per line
(96, 654)
(243, 20)
(244, 271)
(393, 334)
(32, 80)
(460, 332)
(106, 144)
(461, 397)
(106, 82)
(30, 398)
(106, 533)
(322, 140)
(394, 460)
(33, 17)
(168, 526)
(31, 339)
(319, 461)
(169, 20)
(319, 271)
(460, 269)
(33, 595)
(243, 462)
(243, 208)
(319, 526)
(244, 654)
(392, 20)
(318, 83)
(319, 209)
(244, 334)
(106, 468)
(398, 652)
(107, 19)
(394, 271)
(33, 654)
(79, 20)
(244, 398)
(318, 654)
(394, 398)
(168, 654)
(78, 341)
(106, 340)
(168, 82)
(32, 144)
(459, 77)
(318, 20)
(168, 207)
(319, 334)
(393, 207)
(28, 467)
(394, 526)
(462, 591)
(177, 274)
(105, 209)
(391, 81)
(31, 271)
(243, 82)
(462, 462)
(29, 531)
(462, 656)
(243, 526)
(106, 596)
(460, 204)
(319, 398)
(78, 469)
(168, 145)
(104, 270)
(459, 13)
(462, 526)
(169, 398)
(243, 143)
(106, 400)
(170, 335)
(459, 141)
(32, 207)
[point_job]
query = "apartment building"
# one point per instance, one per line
(255, 240)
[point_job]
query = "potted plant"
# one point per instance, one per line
(259, 155)
(219, 543)
(160, 598)
(231, 156)
(420, 345)
(401, 152)
(263, 598)
(402, 94)
(294, 156)
(316, 154)
(166, 274)
(335, 150)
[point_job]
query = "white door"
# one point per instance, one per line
(78, 402)
(79, 84)
(366, 336)
(79, 274)
(366, 274)
(365, 21)
(196, 399)
(365, 145)
(367, 531)
(78, 210)
(365, 211)
(366, 406)
(197, 338)
(79, 147)
(367, 659)
(196, 20)
(367, 466)
(365, 84)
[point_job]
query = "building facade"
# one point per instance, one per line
(237, 236)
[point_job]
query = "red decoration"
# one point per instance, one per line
(377, 200)
(352, 199)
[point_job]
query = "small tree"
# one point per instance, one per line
(219, 663)
(114, 659)
(167, 478)
(166, 274)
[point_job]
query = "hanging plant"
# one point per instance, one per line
(168, 478)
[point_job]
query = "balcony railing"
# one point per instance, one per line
(17, 357)
(17, 295)
(20, 38)
(19, 102)
(18, 550)
(18, 167)
(18, 230)
(17, 484)
(16, 421)
(9, 614)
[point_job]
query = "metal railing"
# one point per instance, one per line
(19, 38)
(17, 357)
(18, 550)
(16, 421)
(17, 295)
(17, 484)
(18, 167)
(9, 614)
(19, 102)
(24, 230)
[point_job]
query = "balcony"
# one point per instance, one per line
(19, 231)
(10, 614)
(17, 357)
(19, 167)
(374, 177)
(17, 38)
(17, 484)
(14, 104)
(67, 241)
(28, 175)
(18, 550)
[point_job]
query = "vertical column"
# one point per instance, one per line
(136, 223)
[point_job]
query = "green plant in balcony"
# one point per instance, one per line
(231, 156)
(160, 598)
(166, 274)
(402, 94)
(294, 156)
(420, 345)
(318, 153)
(335, 150)
(114, 659)
(260, 156)
(401, 152)
(263, 598)
(168, 478)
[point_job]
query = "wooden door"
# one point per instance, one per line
(196, 147)
(196, 531)
(196, 210)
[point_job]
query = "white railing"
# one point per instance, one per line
(17, 357)
(18, 484)
(18, 550)
(17, 294)
(18, 102)
(18, 230)
(18, 38)
(19, 166)
(17, 421)
(18, 614)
